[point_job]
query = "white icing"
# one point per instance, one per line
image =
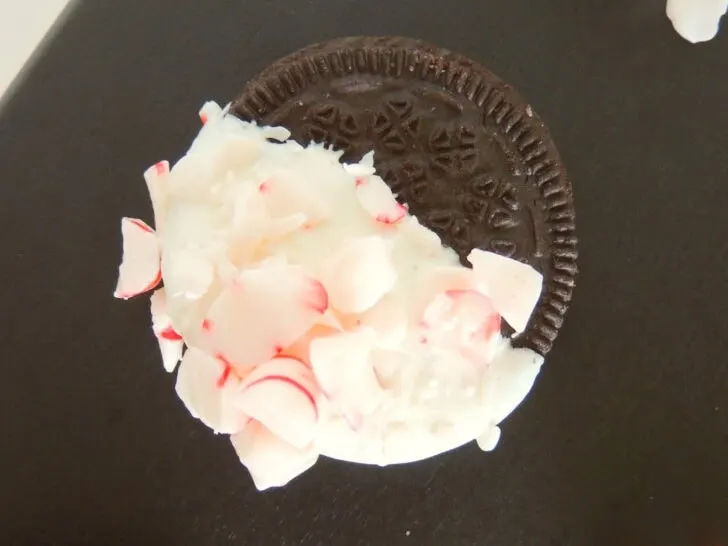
(319, 317)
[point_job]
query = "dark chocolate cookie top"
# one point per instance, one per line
(460, 147)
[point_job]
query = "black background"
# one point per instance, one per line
(624, 440)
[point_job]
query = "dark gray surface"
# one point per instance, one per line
(624, 441)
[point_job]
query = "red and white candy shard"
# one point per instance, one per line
(344, 368)
(263, 311)
(170, 341)
(271, 461)
(378, 200)
(359, 274)
(285, 194)
(464, 320)
(513, 287)
(140, 270)
(282, 382)
(318, 316)
(156, 177)
(209, 110)
(209, 390)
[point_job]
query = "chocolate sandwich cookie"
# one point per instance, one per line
(470, 158)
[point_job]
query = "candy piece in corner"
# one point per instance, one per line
(696, 20)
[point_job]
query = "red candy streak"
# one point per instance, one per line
(492, 326)
(170, 334)
(318, 298)
(161, 168)
(400, 212)
(291, 382)
(141, 225)
(227, 371)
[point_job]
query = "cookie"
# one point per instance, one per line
(470, 158)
